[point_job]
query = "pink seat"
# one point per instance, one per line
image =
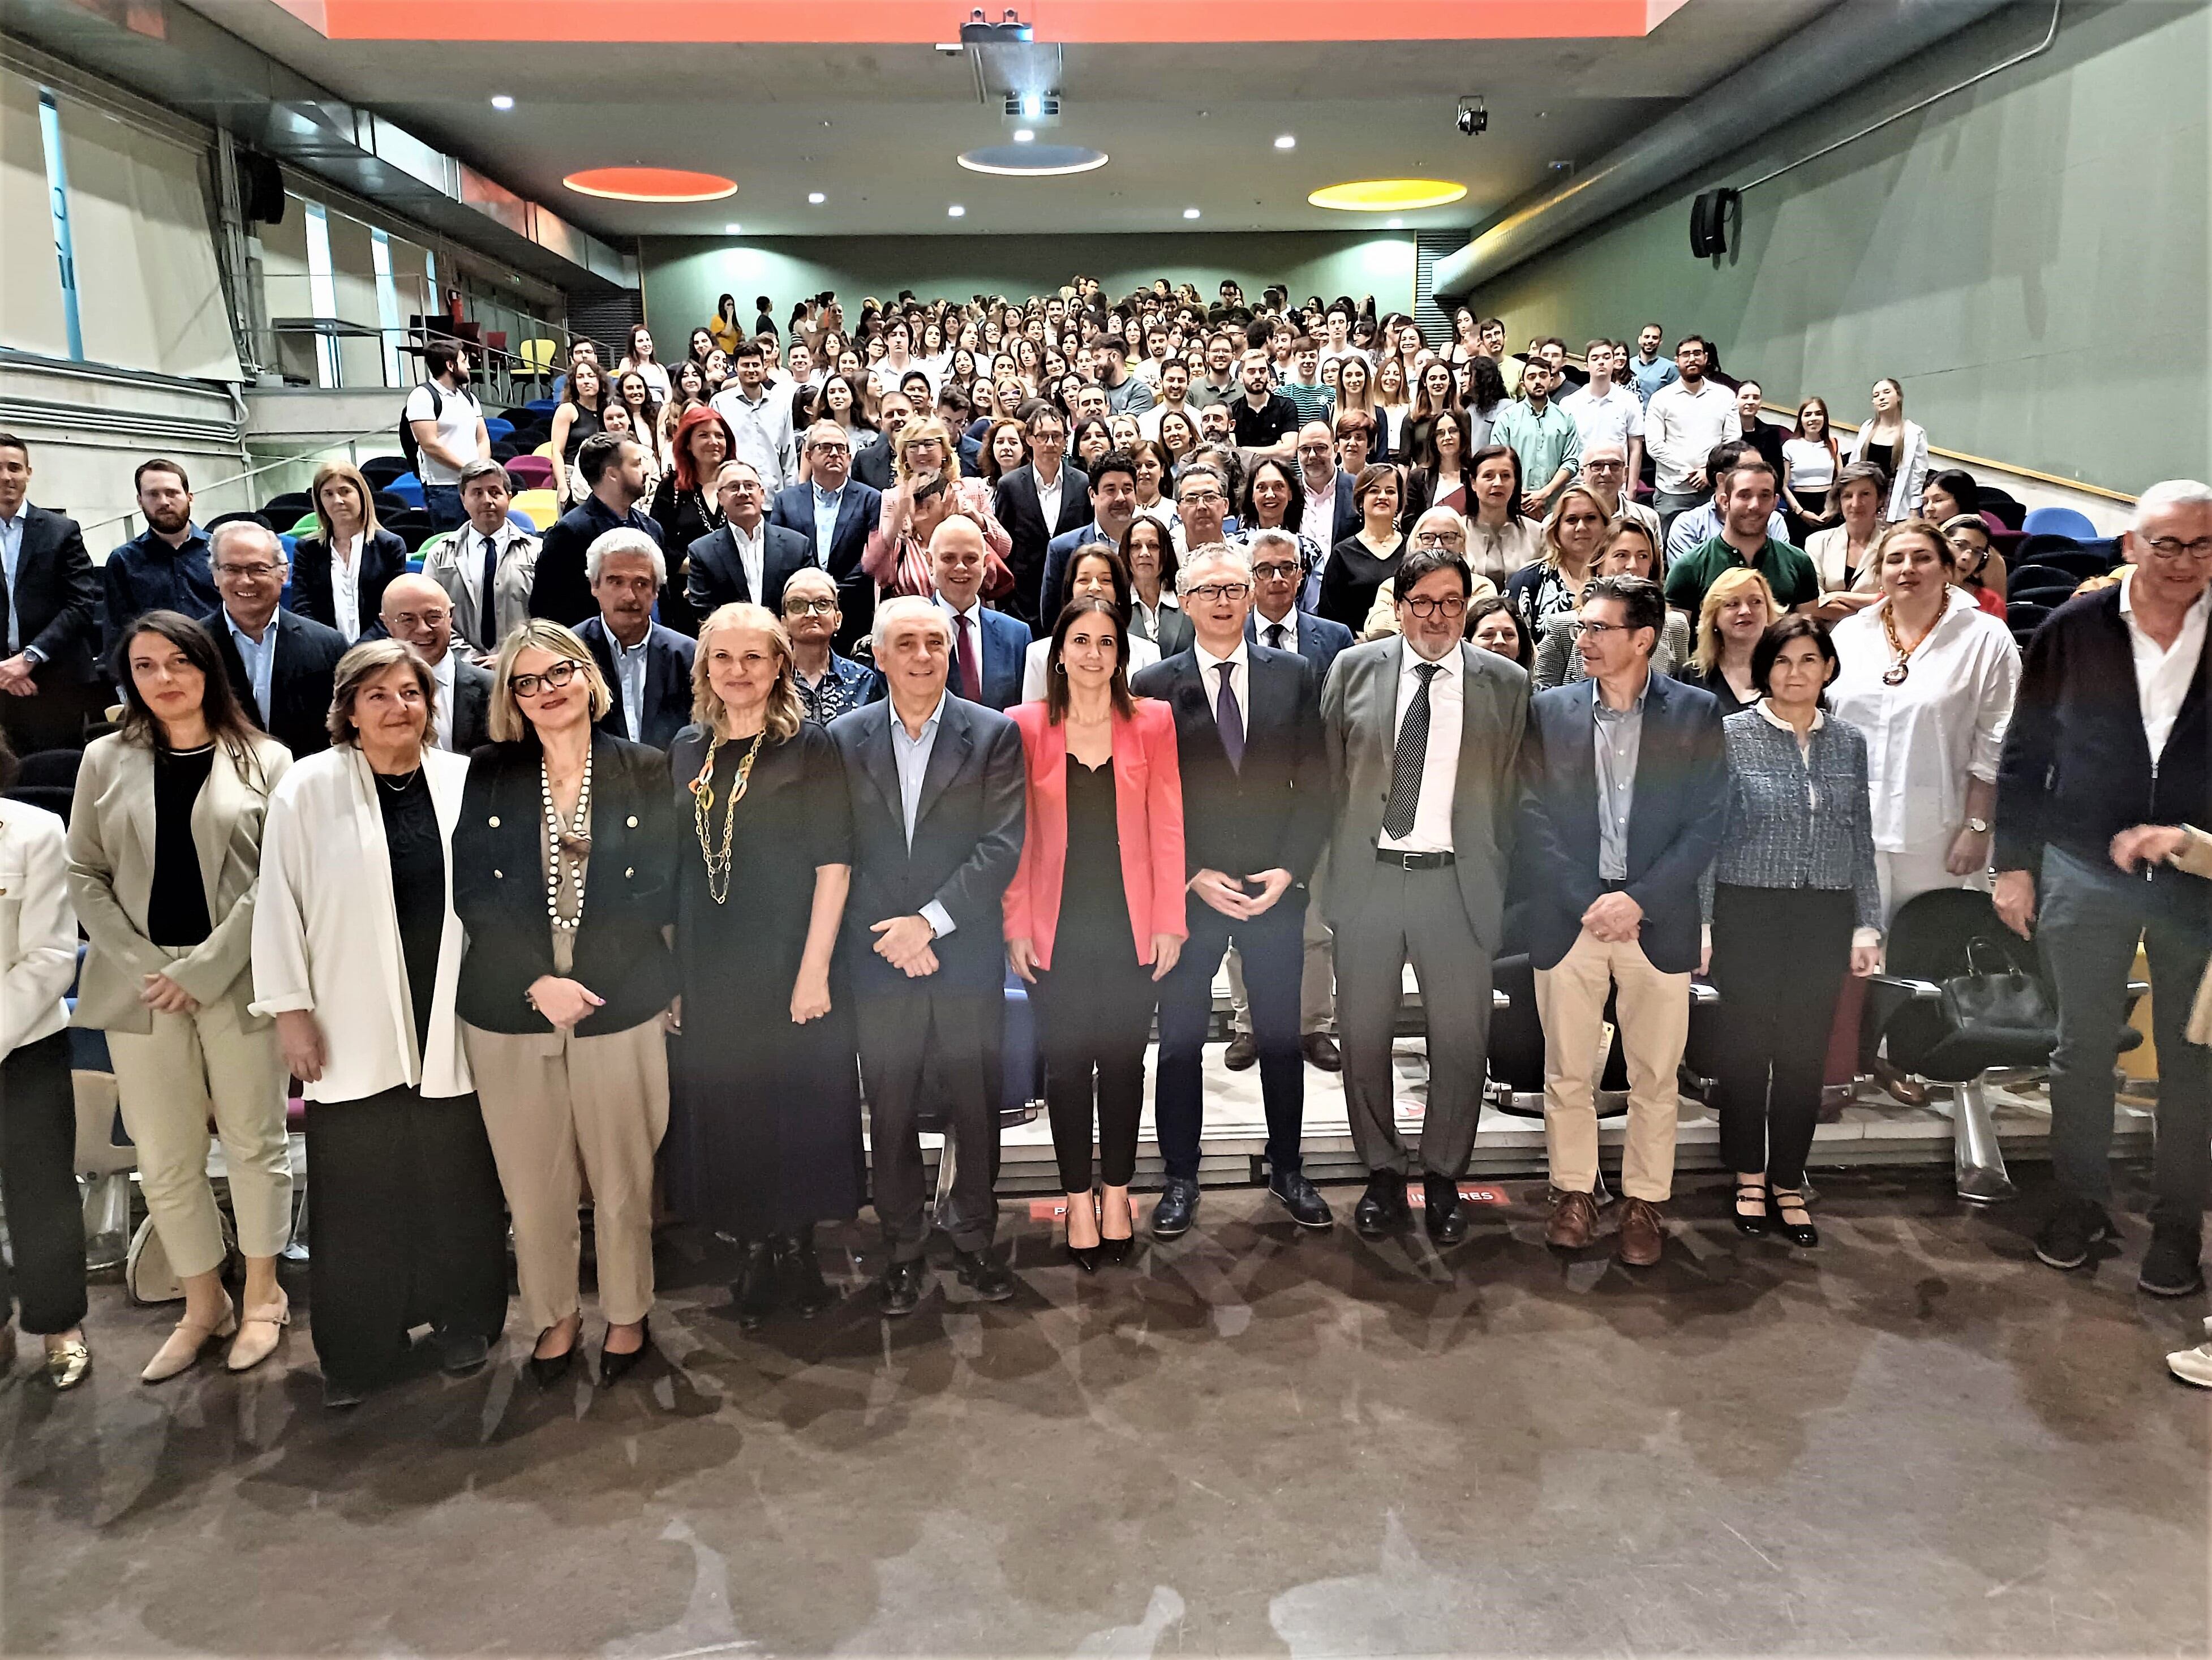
(531, 471)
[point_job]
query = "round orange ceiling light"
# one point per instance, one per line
(651, 185)
(1388, 195)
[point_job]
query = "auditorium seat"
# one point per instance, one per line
(544, 406)
(407, 487)
(496, 429)
(283, 509)
(237, 519)
(540, 505)
(2059, 521)
(527, 473)
(381, 470)
(1990, 499)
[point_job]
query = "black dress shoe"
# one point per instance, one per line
(984, 1274)
(1171, 1217)
(461, 1353)
(1321, 1051)
(1084, 1256)
(1750, 1222)
(613, 1367)
(1116, 1251)
(1299, 1197)
(804, 1287)
(1381, 1209)
(900, 1290)
(756, 1292)
(1797, 1233)
(1446, 1212)
(338, 1397)
(1243, 1053)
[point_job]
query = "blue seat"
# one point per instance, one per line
(542, 405)
(2059, 521)
(407, 487)
(496, 429)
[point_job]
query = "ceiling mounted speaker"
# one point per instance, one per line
(261, 182)
(1711, 216)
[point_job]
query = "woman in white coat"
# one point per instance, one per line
(356, 953)
(1898, 446)
(38, 1108)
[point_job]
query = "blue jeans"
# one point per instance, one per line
(2089, 917)
(443, 503)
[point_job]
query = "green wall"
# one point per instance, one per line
(685, 276)
(2028, 257)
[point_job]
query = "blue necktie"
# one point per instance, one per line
(1229, 718)
(488, 608)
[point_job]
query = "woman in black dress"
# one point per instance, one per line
(767, 1142)
(1368, 558)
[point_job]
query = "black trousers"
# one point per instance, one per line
(1779, 959)
(932, 1052)
(1273, 948)
(45, 1217)
(406, 1226)
(1094, 1016)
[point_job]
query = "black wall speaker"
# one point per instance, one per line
(1710, 217)
(261, 182)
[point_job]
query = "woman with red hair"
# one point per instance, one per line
(685, 508)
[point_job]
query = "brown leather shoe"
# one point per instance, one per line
(1642, 1237)
(1574, 1221)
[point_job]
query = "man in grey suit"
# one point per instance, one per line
(1422, 731)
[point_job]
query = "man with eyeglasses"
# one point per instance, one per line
(1202, 506)
(2107, 755)
(834, 511)
(417, 612)
(1256, 804)
(1606, 412)
(1605, 476)
(1438, 531)
(1037, 501)
(1624, 777)
(1219, 384)
(281, 665)
(828, 684)
(1423, 731)
(1331, 514)
(748, 561)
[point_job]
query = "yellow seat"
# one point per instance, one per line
(543, 507)
(535, 358)
(545, 449)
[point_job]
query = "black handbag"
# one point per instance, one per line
(2005, 1001)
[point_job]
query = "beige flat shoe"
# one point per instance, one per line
(258, 1332)
(183, 1349)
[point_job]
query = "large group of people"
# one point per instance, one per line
(1072, 645)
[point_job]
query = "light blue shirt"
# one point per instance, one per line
(826, 504)
(629, 669)
(1619, 746)
(259, 657)
(11, 550)
(912, 755)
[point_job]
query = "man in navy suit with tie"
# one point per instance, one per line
(987, 645)
(648, 667)
(748, 560)
(834, 512)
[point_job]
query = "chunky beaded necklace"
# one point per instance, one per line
(569, 847)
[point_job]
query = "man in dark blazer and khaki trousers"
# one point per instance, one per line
(1423, 734)
(937, 788)
(49, 682)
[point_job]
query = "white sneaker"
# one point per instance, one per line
(2194, 1365)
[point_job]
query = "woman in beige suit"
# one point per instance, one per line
(164, 862)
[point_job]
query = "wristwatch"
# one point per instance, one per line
(1979, 826)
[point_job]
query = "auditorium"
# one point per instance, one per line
(905, 801)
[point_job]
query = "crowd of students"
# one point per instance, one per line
(1089, 643)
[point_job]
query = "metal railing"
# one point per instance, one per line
(351, 444)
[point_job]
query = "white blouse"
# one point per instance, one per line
(1941, 726)
(345, 585)
(38, 926)
(1143, 653)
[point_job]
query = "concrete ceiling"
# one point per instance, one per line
(875, 129)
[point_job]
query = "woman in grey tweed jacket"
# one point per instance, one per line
(1791, 903)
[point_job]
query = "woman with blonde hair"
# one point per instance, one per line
(927, 459)
(1629, 548)
(564, 875)
(767, 1142)
(339, 577)
(1551, 587)
(1737, 611)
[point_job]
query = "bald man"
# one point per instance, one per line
(987, 645)
(416, 611)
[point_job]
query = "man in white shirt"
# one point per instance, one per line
(448, 426)
(1606, 411)
(1338, 345)
(759, 419)
(1423, 731)
(799, 366)
(1175, 388)
(487, 566)
(416, 612)
(1682, 423)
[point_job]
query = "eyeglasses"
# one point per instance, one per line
(809, 607)
(1436, 539)
(1202, 496)
(529, 686)
(821, 447)
(251, 572)
(411, 620)
(1581, 629)
(1425, 607)
(2172, 547)
(1212, 591)
(1274, 573)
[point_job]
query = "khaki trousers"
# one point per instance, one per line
(1653, 1011)
(168, 1082)
(559, 1108)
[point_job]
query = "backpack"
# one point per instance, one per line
(408, 446)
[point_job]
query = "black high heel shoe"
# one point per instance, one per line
(1755, 1222)
(1083, 1256)
(1117, 1248)
(613, 1367)
(1797, 1233)
(546, 1370)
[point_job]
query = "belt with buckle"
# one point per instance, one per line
(1411, 860)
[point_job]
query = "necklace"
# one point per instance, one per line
(406, 780)
(1895, 674)
(568, 847)
(719, 860)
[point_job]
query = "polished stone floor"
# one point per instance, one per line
(1913, 1441)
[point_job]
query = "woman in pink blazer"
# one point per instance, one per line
(1095, 916)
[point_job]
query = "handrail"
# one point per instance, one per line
(349, 441)
(1964, 459)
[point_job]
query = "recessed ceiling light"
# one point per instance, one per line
(1388, 195)
(1190, 213)
(500, 101)
(1287, 142)
(815, 198)
(1024, 136)
(956, 211)
(732, 229)
(651, 185)
(1395, 224)
(1032, 161)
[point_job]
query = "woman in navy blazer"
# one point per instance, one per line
(346, 510)
(1103, 791)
